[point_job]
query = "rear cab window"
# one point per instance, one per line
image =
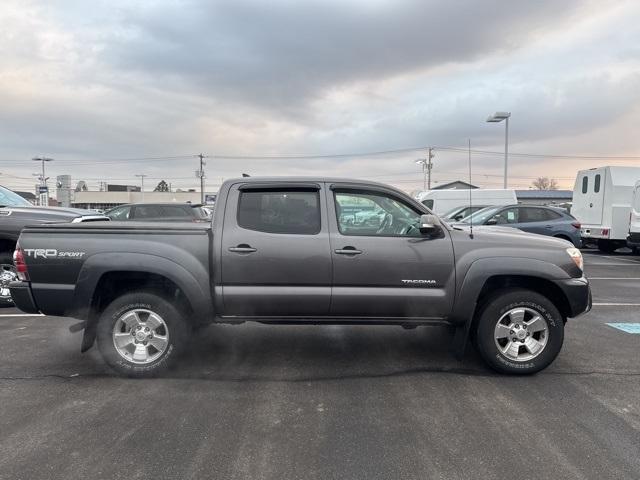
(284, 211)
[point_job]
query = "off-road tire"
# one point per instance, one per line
(178, 328)
(504, 301)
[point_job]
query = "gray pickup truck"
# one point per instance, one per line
(304, 251)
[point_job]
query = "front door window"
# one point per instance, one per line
(374, 214)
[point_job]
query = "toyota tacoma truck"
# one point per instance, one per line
(297, 251)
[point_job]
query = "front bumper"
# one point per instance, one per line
(578, 294)
(22, 297)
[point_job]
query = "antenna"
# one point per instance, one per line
(470, 200)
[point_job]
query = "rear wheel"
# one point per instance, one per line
(519, 332)
(140, 334)
(608, 246)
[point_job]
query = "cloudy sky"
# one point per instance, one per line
(111, 89)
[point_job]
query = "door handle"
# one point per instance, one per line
(243, 248)
(548, 226)
(348, 251)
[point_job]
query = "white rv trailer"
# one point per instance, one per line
(602, 203)
(445, 200)
(633, 239)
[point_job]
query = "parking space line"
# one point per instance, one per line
(634, 264)
(613, 278)
(21, 315)
(633, 328)
(605, 304)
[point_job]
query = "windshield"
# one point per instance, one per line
(12, 199)
(481, 216)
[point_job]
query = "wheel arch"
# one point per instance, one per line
(493, 274)
(103, 278)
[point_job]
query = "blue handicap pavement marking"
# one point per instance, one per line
(626, 327)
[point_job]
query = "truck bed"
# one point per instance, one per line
(65, 260)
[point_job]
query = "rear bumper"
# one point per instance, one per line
(578, 294)
(22, 297)
(597, 232)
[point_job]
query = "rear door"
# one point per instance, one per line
(383, 268)
(588, 196)
(275, 251)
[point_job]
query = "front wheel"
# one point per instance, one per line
(519, 332)
(140, 334)
(7, 275)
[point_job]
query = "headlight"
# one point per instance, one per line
(576, 256)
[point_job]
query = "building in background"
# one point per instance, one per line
(122, 188)
(63, 190)
(544, 197)
(109, 199)
(455, 185)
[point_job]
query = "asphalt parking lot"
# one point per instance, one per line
(300, 402)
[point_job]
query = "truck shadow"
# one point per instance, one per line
(254, 352)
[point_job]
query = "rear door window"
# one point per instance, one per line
(143, 212)
(596, 184)
(280, 211)
(529, 215)
(585, 184)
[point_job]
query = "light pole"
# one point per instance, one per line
(142, 184)
(426, 168)
(43, 190)
(495, 118)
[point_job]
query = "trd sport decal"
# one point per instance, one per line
(51, 253)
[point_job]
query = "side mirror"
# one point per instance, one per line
(492, 221)
(429, 224)
(458, 217)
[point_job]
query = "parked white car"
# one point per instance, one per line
(602, 204)
(443, 201)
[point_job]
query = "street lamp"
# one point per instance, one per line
(495, 118)
(43, 191)
(423, 163)
(426, 168)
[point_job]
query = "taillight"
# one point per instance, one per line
(576, 225)
(21, 266)
(605, 232)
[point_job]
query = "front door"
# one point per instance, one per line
(383, 267)
(275, 251)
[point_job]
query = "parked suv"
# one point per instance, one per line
(15, 214)
(159, 212)
(551, 221)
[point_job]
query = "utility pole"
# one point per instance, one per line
(43, 190)
(427, 166)
(200, 173)
(142, 184)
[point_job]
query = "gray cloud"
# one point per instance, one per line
(104, 79)
(281, 55)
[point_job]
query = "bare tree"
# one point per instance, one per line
(545, 183)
